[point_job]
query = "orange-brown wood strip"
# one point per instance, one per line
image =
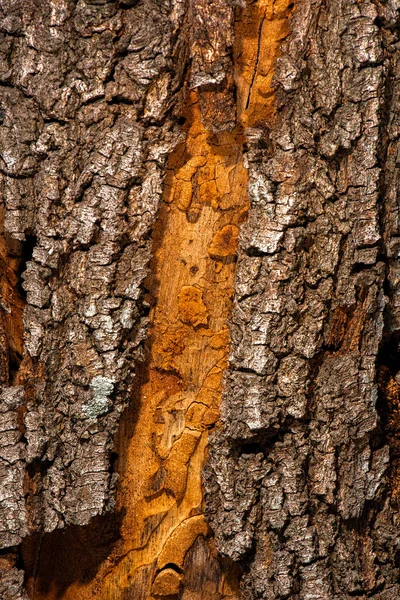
(165, 547)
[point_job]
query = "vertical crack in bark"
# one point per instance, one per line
(256, 63)
(388, 403)
(259, 32)
(166, 549)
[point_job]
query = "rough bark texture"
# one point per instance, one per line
(84, 137)
(302, 482)
(297, 482)
(90, 97)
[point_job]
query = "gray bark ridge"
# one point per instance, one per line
(297, 487)
(86, 95)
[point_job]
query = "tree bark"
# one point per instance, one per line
(302, 480)
(129, 132)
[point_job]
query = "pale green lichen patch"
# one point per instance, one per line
(102, 388)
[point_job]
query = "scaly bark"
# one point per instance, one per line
(297, 483)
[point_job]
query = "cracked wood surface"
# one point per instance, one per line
(191, 286)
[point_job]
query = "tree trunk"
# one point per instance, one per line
(199, 202)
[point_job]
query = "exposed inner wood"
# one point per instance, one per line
(191, 282)
(165, 547)
(11, 306)
(259, 31)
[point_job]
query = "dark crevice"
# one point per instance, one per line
(388, 405)
(121, 100)
(113, 463)
(14, 362)
(57, 560)
(263, 441)
(7, 551)
(28, 247)
(172, 566)
(38, 468)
